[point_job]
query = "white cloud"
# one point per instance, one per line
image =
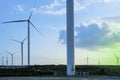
(58, 7)
(113, 22)
(97, 33)
(55, 8)
(110, 1)
(20, 7)
(78, 6)
(103, 1)
(54, 12)
(52, 5)
(54, 28)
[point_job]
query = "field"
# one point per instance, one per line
(59, 70)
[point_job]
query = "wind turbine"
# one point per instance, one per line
(117, 59)
(6, 60)
(21, 42)
(70, 38)
(87, 60)
(11, 56)
(29, 23)
(2, 60)
(98, 61)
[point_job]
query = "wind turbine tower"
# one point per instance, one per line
(11, 56)
(98, 61)
(21, 42)
(2, 60)
(6, 60)
(87, 60)
(70, 38)
(117, 59)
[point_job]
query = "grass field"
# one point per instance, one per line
(49, 70)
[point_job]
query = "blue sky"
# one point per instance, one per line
(98, 19)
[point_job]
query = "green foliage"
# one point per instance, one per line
(49, 70)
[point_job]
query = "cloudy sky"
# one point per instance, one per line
(96, 26)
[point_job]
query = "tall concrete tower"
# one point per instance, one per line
(70, 38)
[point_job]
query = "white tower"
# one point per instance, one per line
(70, 38)
(2, 60)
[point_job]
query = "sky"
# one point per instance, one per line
(96, 27)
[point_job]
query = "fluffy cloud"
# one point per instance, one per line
(92, 36)
(78, 6)
(103, 1)
(110, 1)
(62, 37)
(58, 7)
(20, 7)
(55, 8)
(54, 12)
(56, 3)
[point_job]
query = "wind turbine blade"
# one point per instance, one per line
(16, 40)
(30, 14)
(8, 52)
(24, 39)
(114, 55)
(13, 53)
(36, 29)
(32, 10)
(15, 21)
(84, 59)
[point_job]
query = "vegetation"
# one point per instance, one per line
(60, 70)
